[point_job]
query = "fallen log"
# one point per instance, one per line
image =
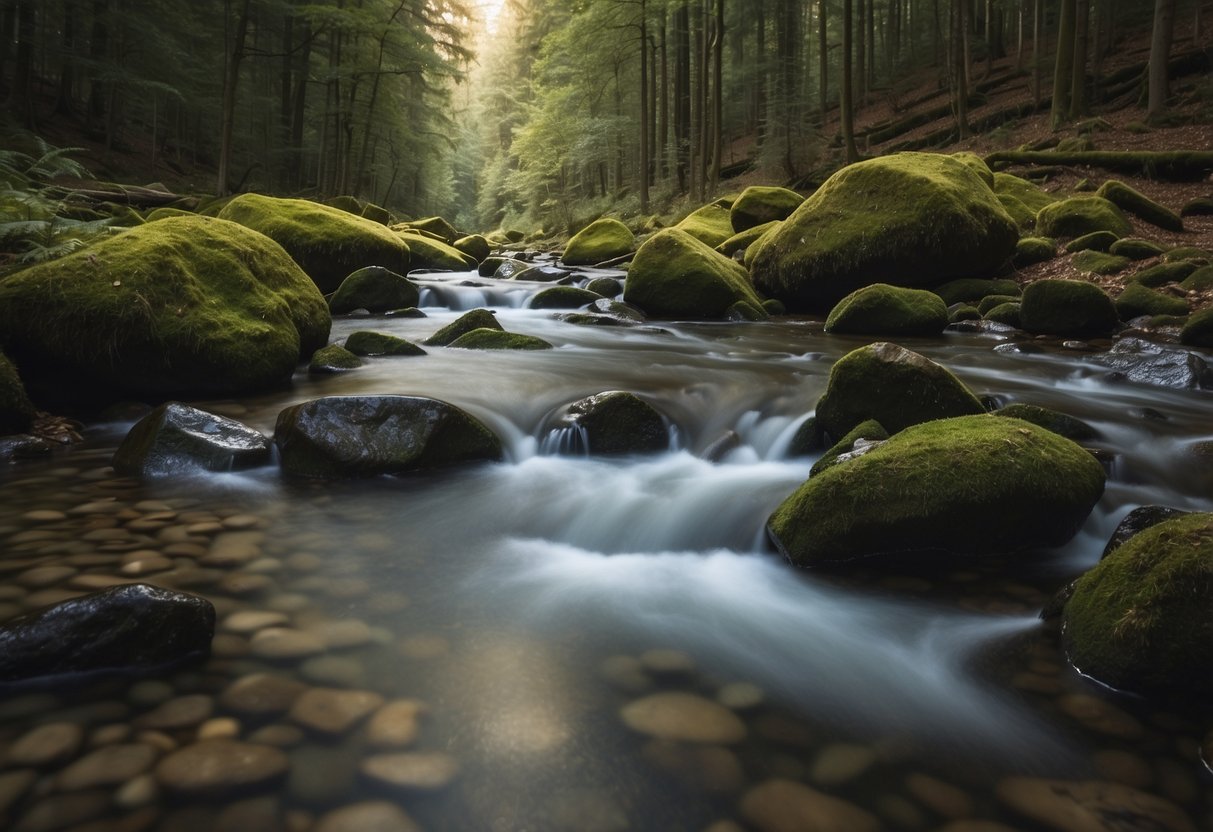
(1173, 165)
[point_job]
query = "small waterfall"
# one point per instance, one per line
(567, 440)
(463, 291)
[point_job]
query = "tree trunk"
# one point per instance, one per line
(1160, 52)
(66, 105)
(960, 68)
(1037, 22)
(365, 154)
(682, 92)
(1064, 68)
(966, 42)
(823, 56)
(718, 94)
(299, 108)
(989, 38)
(644, 108)
(845, 90)
(21, 96)
(1078, 82)
(98, 51)
(285, 99)
(861, 56)
(663, 130)
(231, 77)
(760, 71)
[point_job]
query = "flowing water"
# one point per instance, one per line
(526, 603)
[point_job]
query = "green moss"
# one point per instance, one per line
(1051, 420)
(181, 307)
(869, 430)
(1095, 241)
(375, 213)
(1081, 215)
(674, 275)
(892, 385)
(743, 240)
(469, 321)
(1032, 250)
(440, 229)
(976, 164)
(1136, 249)
(1140, 205)
(16, 410)
(1067, 307)
(435, 255)
(496, 339)
(881, 309)
(619, 422)
(1202, 206)
(1096, 262)
(773, 306)
(974, 289)
(379, 343)
(963, 312)
(601, 240)
(1140, 619)
(1005, 313)
(1198, 331)
(1025, 217)
(375, 289)
(1075, 144)
(758, 205)
(990, 301)
(1188, 253)
(1164, 273)
(1137, 300)
(332, 359)
(349, 204)
(711, 225)
(607, 287)
(1165, 321)
(909, 219)
(968, 485)
(563, 297)
(211, 206)
(474, 246)
(1200, 280)
(326, 242)
(743, 310)
(165, 213)
(1033, 196)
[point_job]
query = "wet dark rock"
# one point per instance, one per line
(607, 287)
(618, 310)
(23, 446)
(1138, 520)
(1091, 806)
(808, 438)
(127, 629)
(1145, 362)
(619, 423)
(176, 437)
(378, 343)
(509, 269)
(542, 274)
(366, 436)
(221, 768)
(722, 447)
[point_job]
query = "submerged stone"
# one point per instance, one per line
(175, 437)
(787, 806)
(683, 717)
(1091, 806)
(221, 769)
(1147, 362)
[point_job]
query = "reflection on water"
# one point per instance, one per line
(522, 602)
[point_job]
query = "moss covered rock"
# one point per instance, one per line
(1058, 423)
(759, 205)
(711, 225)
(1031, 195)
(1198, 331)
(1199, 280)
(465, 323)
(1095, 241)
(1140, 205)
(166, 212)
(429, 254)
(440, 229)
(963, 312)
(1190, 253)
(1136, 248)
(1024, 217)
(1081, 215)
(176, 438)
(1201, 206)
(1067, 307)
(366, 436)
(743, 310)
(331, 360)
(496, 339)
(563, 297)
(182, 307)
(601, 240)
(910, 219)
(1032, 250)
(1097, 262)
(990, 301)
(16, 410)
(674, 275)
(744, 239)
(881, 309)
(1005, 313)
(618, 422)
(606, 287)
(968, 485)
(1164, 273)
(375, 289)
(870, 432)
(326, 242)
(976, 164)
(892, 385)
(368, 343)
(474, 246)
(969, 289)
(1140, 620)
(1137, 300)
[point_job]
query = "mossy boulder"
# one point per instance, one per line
(1136, 248)
(326, 242)
(1005, 313)
(16, 410)
(474, 246)
(344, 202)
(1198, 331)
(870, 432)
(182, 307)
(438, 227)
(166, 212)
(617, 422)
(1164, 273)
(1024, 217)
(1067, 307)
(711, 225)
(969, 485)
(1028, 193)
(744, 239)
(1032, 250)
(366, 436)
(1140, 620)
(759, 205)
(963, 312)
(1140, 205)
(601, 240)
(1137, 300)
(881, 309)
(892, 385)
(496, 339)
(563, 297)
(675, 275)
(509, 269)
(606, 287)
(465, 323)
(910, 219)
(990, 301)
(1196, 255)
(976, 164)
(1097, 262)
(332, 360)
(969, 289)
(743, 310)
(1095, 241)
(428, 254)
(377, 213)
(375, 289)
(1059, 423)
(1201, 206)
(367, 343)
(1080, 215)
(1199, 280)
(176, 438)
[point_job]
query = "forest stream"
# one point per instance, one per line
(520, 607)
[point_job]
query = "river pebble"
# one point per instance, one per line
(13, 786)
(940, 797)
(685, 717)
(424, 647)
(278, 735)
(46, 745)
(976, 826)
(110, 734)
(706, 768)
(285, 644)
(396, 724)
(182, 712)
(369, 816)
(322, 775)
(342, 634)
(149, 693)
(247, 622)
(333, 712)
(63, 810)
(220, 728)
(625, 673)
(1123, 767)
(217, 768)
(44, 576)
(667, 662)
(139, 791)
(417, 770)
(785, 806)
(1100, 716)
(840, 763)
(1091, 806)
(43, 516)
(107, 766)
(740, 696)
(334, 671)
(261, 695)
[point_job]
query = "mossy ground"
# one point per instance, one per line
(1081, 215)
(1067, 307)
(1140, 620)
(601, 240)
(675, 275)
(881, 309)
(1199, 280)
